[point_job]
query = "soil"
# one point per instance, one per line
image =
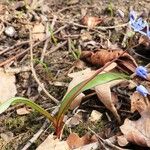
(58, 62)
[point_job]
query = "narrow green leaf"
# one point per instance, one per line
(99, 79)
(28, 102)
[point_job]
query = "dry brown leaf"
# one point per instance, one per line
(103, 56)
(80, 76)
(53, 144)
(90, 21)
(122, 141)
(74, 120)
(138, 132)
(38, 31)
(137, 102)
(7, 86)
(104, 93)
(144, 40)
(74, 141)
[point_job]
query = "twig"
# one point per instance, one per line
(34, 73)
(55, 48)
(35, 136)
(3, 27)
(16, 70)
(20, 54)
(47, 41)
(98, 27)
(106, 142)
(45, 45)
(25, 51)
(12, 47)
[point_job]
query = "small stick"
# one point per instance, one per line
(47, 41)
(34, 73)
(25, 51)
(106, 142)
(12, 47)
(55, 48)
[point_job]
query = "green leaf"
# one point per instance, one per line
(74, 92)
(28, 102)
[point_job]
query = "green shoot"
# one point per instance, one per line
(52, 36)
(75, 52)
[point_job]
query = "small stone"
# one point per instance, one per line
(95, 116)
(10, 31)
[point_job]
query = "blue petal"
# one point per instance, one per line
(139, 25)
(141, 72)
(132, 16)
(142, 90)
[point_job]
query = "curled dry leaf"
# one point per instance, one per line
(80, 76)
(77, 78)
(101, 57)
(105, 96)
(90, 21)
(138, 131)
(74, 141)
(144, 40)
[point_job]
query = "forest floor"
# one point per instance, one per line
(59, 35)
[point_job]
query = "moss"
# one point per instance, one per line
(82, 128)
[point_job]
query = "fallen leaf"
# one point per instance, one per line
(104, 94)
(79, 64)
(74, 120)
(38, 31)
(74, 141)
(95, 116)
(53, 144)
(144, 40)
(90, 21)
(77, 78)
(137, 100)
(122, 141)
(22, 111)
(103, 56)
(80, 76)
(7, 86)
(138, 131)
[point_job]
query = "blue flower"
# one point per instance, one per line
(138, 24)
(142, 90)
(141, 72)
